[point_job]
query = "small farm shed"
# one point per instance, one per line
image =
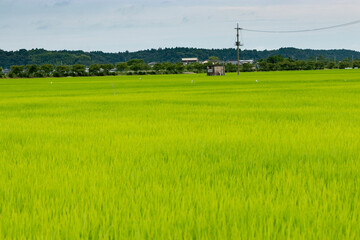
(216, 70)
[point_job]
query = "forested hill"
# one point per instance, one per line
(64, 57)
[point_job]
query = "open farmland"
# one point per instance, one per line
(181, 156)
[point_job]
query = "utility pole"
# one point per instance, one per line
(224, 64)
(238, 44)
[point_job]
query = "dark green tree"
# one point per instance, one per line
(62, 71)
(213, 60)
(331, 65)
(246, 67)
(137, 65)
(17, 71)
(94, 70)
(122, 66)
(273, 66)
(84, 59)
(300, 65)
(229, 67)
(134, 61)
(169, 67)
(319, 65)
(275, 59)
(356, 63)
(345, 63)
(195, 67)
(31, 70)
(179, 67)
(285, 65)
(310, 65)
(78, 70)
(1, 73)
(158, 67)
(106, 68)
(263, 65)
(46, 70)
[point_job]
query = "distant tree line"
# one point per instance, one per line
(133, 66)
(161, 55)
(279, 63)
(139, 67)
(2, 75)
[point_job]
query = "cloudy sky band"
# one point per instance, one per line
(113, 26)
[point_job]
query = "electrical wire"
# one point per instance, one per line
(241, 38)
(304, 30)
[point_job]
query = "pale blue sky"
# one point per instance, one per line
(113, 26)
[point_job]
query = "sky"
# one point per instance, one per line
(117, 26)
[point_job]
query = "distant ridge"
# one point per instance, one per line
(66, 57)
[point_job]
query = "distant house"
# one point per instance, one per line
(216, 70)
(246, 61)
(189, 60)
(6, 71)
(151, 64)
(241, 62)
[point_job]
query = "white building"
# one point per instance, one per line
(189, 60)
(240, 61)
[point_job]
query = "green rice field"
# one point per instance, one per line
(258, 156)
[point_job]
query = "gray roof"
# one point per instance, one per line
(241, 61)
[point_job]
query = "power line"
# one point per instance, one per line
(304, 30)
